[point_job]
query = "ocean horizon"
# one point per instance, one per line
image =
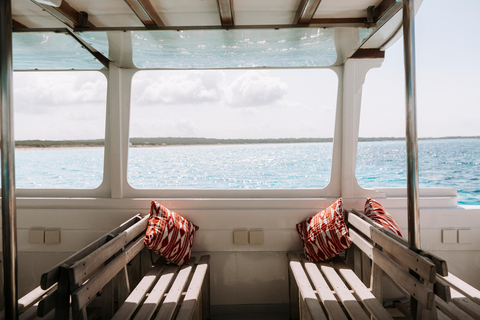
(442, 163)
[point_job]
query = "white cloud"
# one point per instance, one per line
(168, 88)
(256, 88)
(42, 93)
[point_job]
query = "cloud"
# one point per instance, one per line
(256, 88)
(181, 87)
(41, 93)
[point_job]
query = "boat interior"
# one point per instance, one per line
(122, 38)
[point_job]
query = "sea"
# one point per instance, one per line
(442, 163)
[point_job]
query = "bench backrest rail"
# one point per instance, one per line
(88, 291)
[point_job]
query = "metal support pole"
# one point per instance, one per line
(9, 222)
(411, 134)
(411, 137)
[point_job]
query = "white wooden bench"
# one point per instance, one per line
(96, 282)
(352, 286)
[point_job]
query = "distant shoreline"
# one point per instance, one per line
(158, 142)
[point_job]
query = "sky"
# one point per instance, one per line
(274, 103)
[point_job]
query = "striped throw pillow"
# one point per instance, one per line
(375, 211)
(325, 234)
(169, 234)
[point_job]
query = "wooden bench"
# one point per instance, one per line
(96, 281)
(42, 301)
(351, 286)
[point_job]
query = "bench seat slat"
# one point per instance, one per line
(192, 296)
(305, 290)
(463, 287)
(350, 303)
(363, 293)
(138, 294)
(154, 298)
(173, 297)
(86, 293)
(323, 290)
(451, 310)
(465, 304)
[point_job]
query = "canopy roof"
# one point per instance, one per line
(186, 34)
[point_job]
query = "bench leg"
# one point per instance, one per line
(294, 297)
(204, 304)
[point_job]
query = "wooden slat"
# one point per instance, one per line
(398, 251)
(33, 297)
(463, 287)
(189, 304)
(375, 308)
(305, 290)
(50, 277)
(442, 289)
(465, 304)
(451, 310)
(174, 294)
(349, 302)
(154, 298)
(440, 263)
(138, 294)
(325, 293)
(362, 244)
(84, 267)
(416, 288)
(87, 292)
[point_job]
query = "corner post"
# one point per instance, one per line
(9, 219)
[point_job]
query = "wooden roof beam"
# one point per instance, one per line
(225, 8)
(146, 12)
(385, 10)
(68, 15)
(305, 11)
(18, 25)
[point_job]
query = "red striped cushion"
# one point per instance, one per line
(324, 235)
(169, 234)
(375, 211)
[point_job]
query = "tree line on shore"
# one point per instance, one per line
(171, 141)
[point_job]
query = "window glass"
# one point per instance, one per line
(50, 51)
(447, 109)
(232, 129)
(59, 129)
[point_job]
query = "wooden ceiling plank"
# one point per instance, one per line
(305, 12)
(225, 9)
(66, 14)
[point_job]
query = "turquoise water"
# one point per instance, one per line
(442, 163)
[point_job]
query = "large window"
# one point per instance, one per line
(447, 108)
(57, 115)
(232, 129)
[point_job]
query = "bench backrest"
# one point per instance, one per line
(410, 271)
(68, 275)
